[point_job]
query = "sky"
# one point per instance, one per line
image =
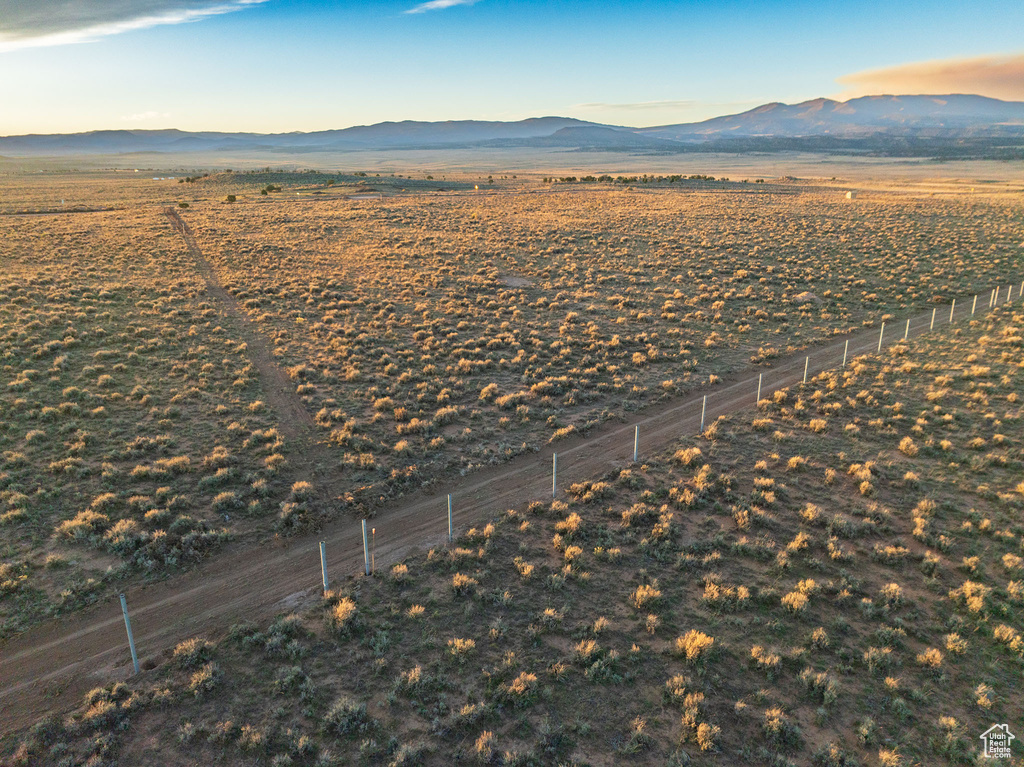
(300, 65)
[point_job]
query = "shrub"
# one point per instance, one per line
(956, 644)
(192, 652)
(461, 583)
(484, 747)
(522, 687)
(347, 718)
(524, 568)
(400, 573)
(768, 661)
(907, 447)
(343, 615)
(707, 736)
(970, 594)
(795, 601)
(460, 648)
(687, 456)
(694, 645)
(890, 757)
(779, 730)
(83, 525)
(645, 594)
(226, 501)
(204, 680)
(1009, 637)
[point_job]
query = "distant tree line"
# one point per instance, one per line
(644, 179)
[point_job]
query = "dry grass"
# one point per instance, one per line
(786, 587)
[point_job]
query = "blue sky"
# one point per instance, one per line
(284, 65)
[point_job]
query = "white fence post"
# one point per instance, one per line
(636, 442)
(906, 330)
(759, 376)
(932, 326)
(845, 350)
(880, 334)
(131, 639)
(366, 550)
(323, 563)
(703, 410)
(974, 305)
(951, 310)
(807, 361)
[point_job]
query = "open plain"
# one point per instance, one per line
(190, 382)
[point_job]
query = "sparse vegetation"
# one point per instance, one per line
(811, 593)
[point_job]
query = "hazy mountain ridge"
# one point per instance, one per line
(950, 116)
(405, 134)
(952, 125)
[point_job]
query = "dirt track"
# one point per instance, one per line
(50, 667)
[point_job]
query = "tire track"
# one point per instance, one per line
(294, 420)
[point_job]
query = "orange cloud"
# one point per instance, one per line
(1000, 77)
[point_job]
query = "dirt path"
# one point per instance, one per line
(294, 420)
(51, 666)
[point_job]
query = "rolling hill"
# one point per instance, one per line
(941, 126)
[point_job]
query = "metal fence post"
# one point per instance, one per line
(366, 550)
(703, 410)
(554, 474)
(131, 639)
(449, 517)
(323, 563)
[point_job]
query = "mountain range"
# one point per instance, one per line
(964, 125)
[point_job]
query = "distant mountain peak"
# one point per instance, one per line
(947, 115)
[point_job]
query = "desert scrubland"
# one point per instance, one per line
(830, 579)
(836, 569)
(439, 332)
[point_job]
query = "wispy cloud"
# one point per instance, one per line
(145, 116)
(31, 24)
(1000, 77)
(438, 5)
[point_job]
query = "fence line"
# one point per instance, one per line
(785, 376)
(767, 388)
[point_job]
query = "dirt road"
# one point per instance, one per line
(50, 667)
